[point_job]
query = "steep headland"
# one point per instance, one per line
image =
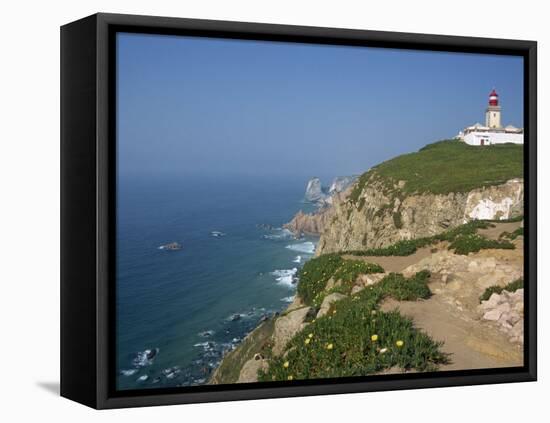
(422, 194)
(419, 267)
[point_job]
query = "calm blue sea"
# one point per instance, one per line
(179, 311)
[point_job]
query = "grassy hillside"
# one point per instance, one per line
(451, 166)
(356, 339)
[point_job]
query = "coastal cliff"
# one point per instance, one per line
(443, 225)
(314, 223)
(381, 216)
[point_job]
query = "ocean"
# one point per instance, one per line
(179, 311)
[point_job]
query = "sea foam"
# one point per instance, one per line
(285, 276)
(279, 233)
(307, 247)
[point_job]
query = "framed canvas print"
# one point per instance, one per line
(256, 211)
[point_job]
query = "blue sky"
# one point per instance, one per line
(197, 106)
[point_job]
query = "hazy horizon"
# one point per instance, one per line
(202, 106)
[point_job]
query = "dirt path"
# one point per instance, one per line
(452, 314)
(394, 263)
(472, 345)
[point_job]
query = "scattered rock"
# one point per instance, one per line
(329, 299)
(506, 310)
(249, 371)
(492, 315)
(286, 327)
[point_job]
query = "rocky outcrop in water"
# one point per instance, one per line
(377, 215)
(314, 191)
(314, 223)
(309, 223)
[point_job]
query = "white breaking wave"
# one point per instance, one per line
(280, 233)
(298, 259)
(307, 247)
(288, 299)
(286, 276)
(145, 358)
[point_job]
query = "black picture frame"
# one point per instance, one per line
(88, 216)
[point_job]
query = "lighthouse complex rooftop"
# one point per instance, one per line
(492, 132)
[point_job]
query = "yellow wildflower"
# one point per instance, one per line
(329, 346)
(374, 338)
(290, 377)
(286, 364)
(334, 312)
(399, 343)
(307, 341)
(310, 335)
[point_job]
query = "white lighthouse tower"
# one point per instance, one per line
(492, 132)
(492, 114)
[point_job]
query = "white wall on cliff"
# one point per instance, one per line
(495, 202)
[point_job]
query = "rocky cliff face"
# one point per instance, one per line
(314, 191)
(375, 215)
(309, 223)
(340, 183)
(314, 223)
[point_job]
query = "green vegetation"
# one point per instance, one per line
(357, 339)
(463, 237)
(317, 271)
(397, 220)
(511, 287)
(472, 243)
(448, 166)
(359, 186)
(512, 235)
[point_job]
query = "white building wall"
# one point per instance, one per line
(490, 138)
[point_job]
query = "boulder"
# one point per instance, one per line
(314, 191)
(249, 371)
(492, 302)
(286, 326)
(370, 279)
(329, 299)
(493, 315)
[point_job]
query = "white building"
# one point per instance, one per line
(492, 132)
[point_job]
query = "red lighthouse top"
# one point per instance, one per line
(493, 98)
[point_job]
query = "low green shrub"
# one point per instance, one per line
(313, 277)
(397, 286)
(472, 243)
(495, 289)
(357, 339)
(397, 221)
(512, 235)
